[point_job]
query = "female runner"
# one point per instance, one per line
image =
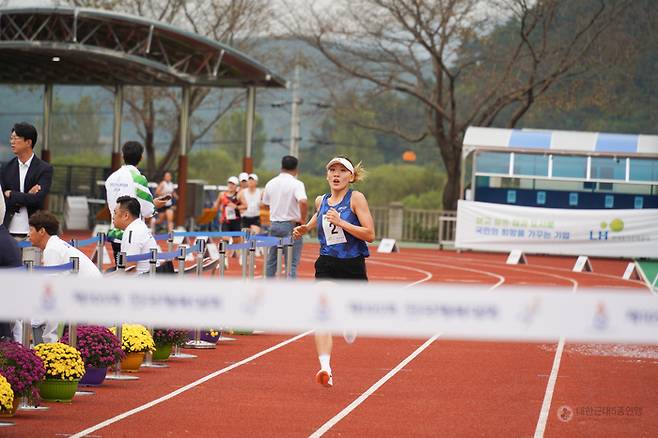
(344, 226)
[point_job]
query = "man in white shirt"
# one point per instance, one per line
(286, 197)
(128, 181)
(44, 227)
(137, 238)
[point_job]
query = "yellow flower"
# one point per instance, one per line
(61, 361)
(135, 338)
(6, 394)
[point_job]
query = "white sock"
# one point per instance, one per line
(324, 362)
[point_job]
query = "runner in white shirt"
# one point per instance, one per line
(137, 238)
(44, 227)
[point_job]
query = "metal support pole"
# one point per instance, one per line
(279, 258)
(251, 260)
(117, 366)
(153, 262)
(243, 255)
(121, 262)
(289, 259)
(170, 242)
(197, 342)
(148, 357)
(182, 253)
(25, 340)
(100, 246)
(73, 327)
(222, 258)
(199, 257)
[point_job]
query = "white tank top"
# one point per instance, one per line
(253, 203)
(168, 188)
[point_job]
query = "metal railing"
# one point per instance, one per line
(418, 225)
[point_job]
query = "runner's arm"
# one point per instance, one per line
(359, 206)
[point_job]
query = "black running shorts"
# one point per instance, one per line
(342, 269)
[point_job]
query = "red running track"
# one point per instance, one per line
(451, 388)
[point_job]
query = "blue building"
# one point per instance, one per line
(560, 169)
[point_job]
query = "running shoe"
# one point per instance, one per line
(324, 378)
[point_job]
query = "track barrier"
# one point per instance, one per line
(529, 314)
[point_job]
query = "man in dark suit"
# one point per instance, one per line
(25, 181)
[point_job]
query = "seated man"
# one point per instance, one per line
(137, 238)
(44, 227)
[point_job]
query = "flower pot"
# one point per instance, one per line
(205, 336)
(4, 413)
(93, 376)
(132, 361)
(162, 352)
(58, 390)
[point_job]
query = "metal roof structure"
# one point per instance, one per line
(77, 46)
(562, 141)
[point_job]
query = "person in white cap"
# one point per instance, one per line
(344, 225)
(250, 199)
(243, 177)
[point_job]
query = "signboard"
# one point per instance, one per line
(582, 264)
(533, 230)
(387, 245)
(516, 257)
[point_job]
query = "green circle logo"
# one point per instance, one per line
(616, 225)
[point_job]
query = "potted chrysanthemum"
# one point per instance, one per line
(99, 348)
(135, 342)
(64, 368)
(8, 404)
(23, 369)
(165, 339)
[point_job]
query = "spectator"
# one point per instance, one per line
(249, 206)
(44, 227)
(286, 197)
(10, 257)
(243, 177)
(128, 181)
(137, 238)
(227, 204)
(25, 181)
(166, 192)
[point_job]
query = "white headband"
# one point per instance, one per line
(345, 162)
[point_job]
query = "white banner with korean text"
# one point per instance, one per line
(376, 309)
(606, 233)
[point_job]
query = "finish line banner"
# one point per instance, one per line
(605, 233)
(376, 309)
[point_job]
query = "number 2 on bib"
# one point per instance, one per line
(333, 234)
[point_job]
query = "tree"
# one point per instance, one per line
(78, 126)
(232, 22)
(229, 135)
(445, 56)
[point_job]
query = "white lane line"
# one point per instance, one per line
(552, 379)
(553, 268)
(186, 387)
(342, 414)
(550, 388)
